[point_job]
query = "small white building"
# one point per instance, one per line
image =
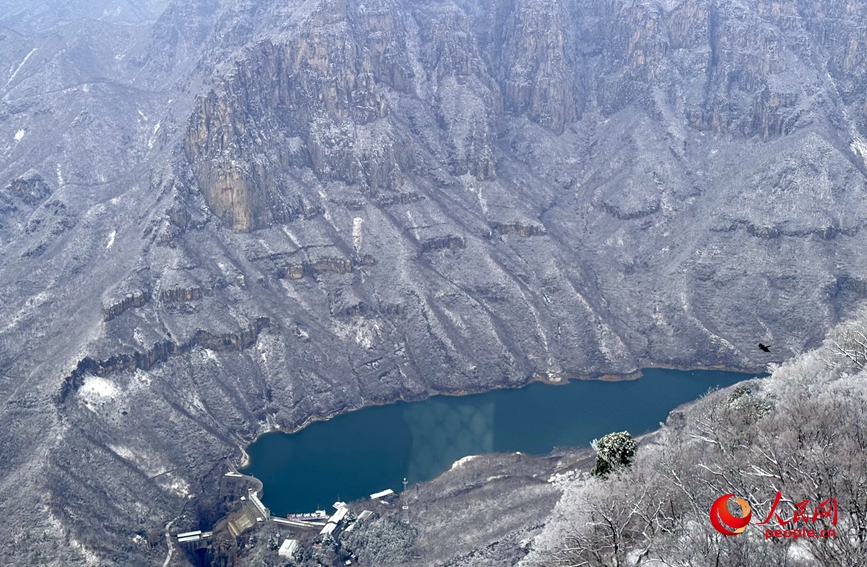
(288, 549)
(338, 516)
(382, 494)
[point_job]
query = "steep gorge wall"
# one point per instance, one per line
(318, 98)
(432, 128)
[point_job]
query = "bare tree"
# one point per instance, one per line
(619, 524)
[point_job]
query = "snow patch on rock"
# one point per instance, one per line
(123, 452)
(357, 223)
(461, 462)
(175, 485)
(20, 65)
(564, 478)
(96, 388)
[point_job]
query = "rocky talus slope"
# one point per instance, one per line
(222, 217)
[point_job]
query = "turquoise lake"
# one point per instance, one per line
(356, 454)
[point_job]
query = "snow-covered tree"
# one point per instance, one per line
(614, 451)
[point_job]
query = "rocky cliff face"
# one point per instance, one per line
(417, 197)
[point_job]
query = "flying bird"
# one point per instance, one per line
(764, 348)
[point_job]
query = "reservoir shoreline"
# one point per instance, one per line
(421, 438)
(243, 461)
(538, 377)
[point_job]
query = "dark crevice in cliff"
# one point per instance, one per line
(160, 352)
(713, 38)
(712, 63)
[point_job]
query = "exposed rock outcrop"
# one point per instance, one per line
(521, 229)
(30, 189)
(160, 352)
(312, 268)
(449, 242)
(135, 299)
(181, 294)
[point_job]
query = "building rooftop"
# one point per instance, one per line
(288, 548)
(339, 515)
(382, 494)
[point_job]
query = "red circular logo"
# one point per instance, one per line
(724, 521)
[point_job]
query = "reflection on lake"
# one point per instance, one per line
(444, 430)
(362, 452)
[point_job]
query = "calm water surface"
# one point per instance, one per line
(356, 454)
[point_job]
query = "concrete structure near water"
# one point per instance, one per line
(247, 490)
(234, 485)
(254, 499)
(242, 496)
(303, 525)
(241, 521)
